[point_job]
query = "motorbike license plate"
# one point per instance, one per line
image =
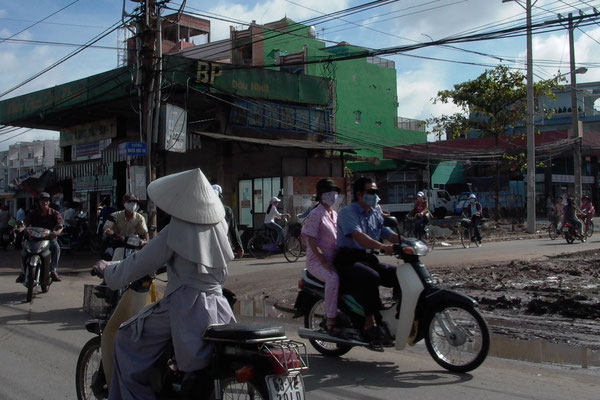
(285, 387)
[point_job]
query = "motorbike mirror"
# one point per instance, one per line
(390, 222)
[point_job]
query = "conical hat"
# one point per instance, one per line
(188, 196)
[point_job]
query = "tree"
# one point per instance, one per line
(491, 105)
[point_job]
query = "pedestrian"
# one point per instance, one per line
(196, 250)
(232, 231)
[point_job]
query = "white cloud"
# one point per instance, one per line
(268, 11)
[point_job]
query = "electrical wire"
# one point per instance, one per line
(42, 20)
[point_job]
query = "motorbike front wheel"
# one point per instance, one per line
(316, 320)
(30, 283)
(89, 365)
(231, 389)
(457, 338)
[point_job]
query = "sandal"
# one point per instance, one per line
(334, 330)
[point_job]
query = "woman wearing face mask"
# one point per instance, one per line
(320, 232)
(127, 221)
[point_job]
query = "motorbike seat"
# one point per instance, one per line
(244, 333)
(314, 278)
(309, 278)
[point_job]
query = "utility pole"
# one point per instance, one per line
(529, 124)
(149, 59)
(576, 132)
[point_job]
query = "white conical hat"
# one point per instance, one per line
(188, 196)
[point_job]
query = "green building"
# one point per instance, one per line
(363, 89)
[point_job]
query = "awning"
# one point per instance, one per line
(6, 196)
(81, 169)
(303, 144)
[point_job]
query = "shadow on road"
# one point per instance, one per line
(336, 372)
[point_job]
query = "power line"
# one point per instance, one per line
(64, 44)
(54, 23)
(43, 19)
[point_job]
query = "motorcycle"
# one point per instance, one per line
(455, 333)
(249, 362)
(37, 261)
(569, 231)
(79, 236)
(6, 237)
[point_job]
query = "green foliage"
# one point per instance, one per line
(492, 103)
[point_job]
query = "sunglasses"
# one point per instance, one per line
(372, 191)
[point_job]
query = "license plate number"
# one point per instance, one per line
(285, 387)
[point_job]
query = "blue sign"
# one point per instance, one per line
(132, 149)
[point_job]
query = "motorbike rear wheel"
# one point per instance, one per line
(30, 283)
(89, 364)
(457, 338)
(569, 238)
(231, 389)
(316, 320)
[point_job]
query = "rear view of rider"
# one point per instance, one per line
(588, 210)
(421, 213)
(570, 215)
(472, 209)
(273, 213)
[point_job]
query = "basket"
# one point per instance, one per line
(96, 301)
(295, 229)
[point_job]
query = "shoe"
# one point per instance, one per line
(55, 277)
(20, 278)
(373, 335)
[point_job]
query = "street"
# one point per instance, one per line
(41, 341)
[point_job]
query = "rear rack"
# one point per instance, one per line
(288, 355)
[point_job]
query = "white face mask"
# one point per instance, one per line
(131, 206)
(329, 198)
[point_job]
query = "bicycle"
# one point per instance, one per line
(466, 232)
(409, 230)
(293, 247)
(588, 227)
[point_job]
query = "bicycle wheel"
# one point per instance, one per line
(590, 229)
(293, 249)
(552, 231)
(429, 239)
(465, 237)
(259, 246)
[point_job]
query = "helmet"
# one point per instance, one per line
(44, 195)
(472, 196)
(420, 194)
(324, 186)
(4, 207)
(218, 190)
(128, 197)
(585, 197)
(275, 200)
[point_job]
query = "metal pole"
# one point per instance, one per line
(576, 133)
(530, 129)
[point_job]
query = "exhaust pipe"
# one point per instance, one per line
(325, 337)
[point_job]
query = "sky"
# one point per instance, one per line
(34, 35)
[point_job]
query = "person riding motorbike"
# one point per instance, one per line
(472, 209)
(570, 212)
(588, 210)
(420, 212)
(359, 231)
(320, 232)
(270, 223)
(196, 250)
(4, 217)
(232, 232)
(126, 222)
(48, 218)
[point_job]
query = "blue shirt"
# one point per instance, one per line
(352, 219)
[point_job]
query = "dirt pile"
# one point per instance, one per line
(556, 299)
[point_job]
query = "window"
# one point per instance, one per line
(357, 114)
(401, 193)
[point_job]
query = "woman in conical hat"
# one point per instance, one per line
(195, 248)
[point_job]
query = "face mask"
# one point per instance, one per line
(371, 199)
(329, 198)
(131, 206)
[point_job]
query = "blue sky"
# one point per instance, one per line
(393, 24)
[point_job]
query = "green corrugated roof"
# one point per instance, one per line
(448, 172)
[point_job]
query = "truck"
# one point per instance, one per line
(440, 204)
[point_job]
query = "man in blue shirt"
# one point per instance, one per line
(360, 230)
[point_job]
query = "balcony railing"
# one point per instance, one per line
(412, 124)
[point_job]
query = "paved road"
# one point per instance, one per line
(40, 342)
